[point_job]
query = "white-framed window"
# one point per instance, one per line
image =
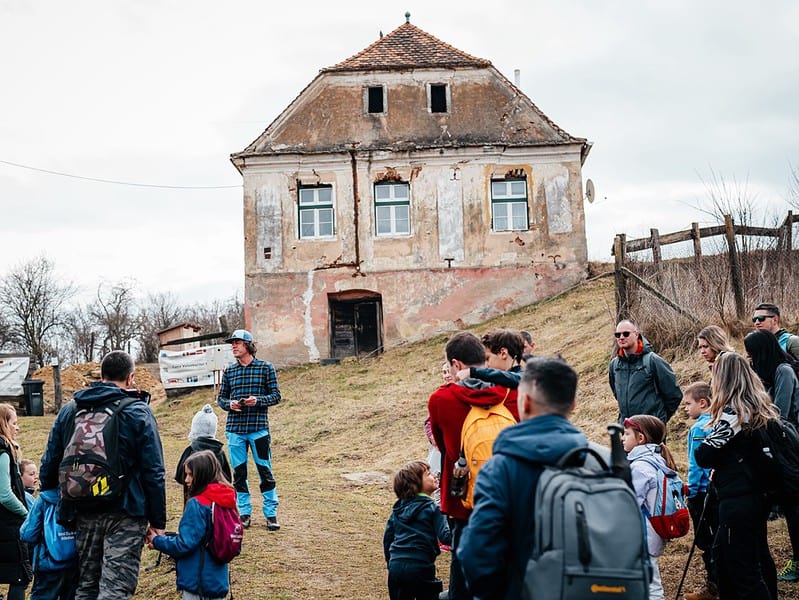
(316, 215)
(392, 208)
(509, 205)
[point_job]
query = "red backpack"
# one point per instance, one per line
(227, 534)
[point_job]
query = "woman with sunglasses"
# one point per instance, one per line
(641, 381)
(732, 449)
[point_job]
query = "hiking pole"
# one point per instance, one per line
(693, 546)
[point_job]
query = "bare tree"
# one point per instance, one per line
(211, 315)
(116, 315)
(82, 335)
(32, 299)
(160, 310)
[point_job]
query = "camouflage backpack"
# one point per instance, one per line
(90, 474)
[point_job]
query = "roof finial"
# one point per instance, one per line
(407, 17)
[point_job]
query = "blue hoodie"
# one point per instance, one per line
(139, 448)
(498, 539)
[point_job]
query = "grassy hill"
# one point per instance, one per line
(340, 433)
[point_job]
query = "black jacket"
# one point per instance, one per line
(139, 448)
(413, 531)
(14, 565)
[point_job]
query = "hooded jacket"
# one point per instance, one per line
(413, 531)
(32, 532)
(448, 407)
(139, 447)
(646, 480)
(644, 385)
(498, 539)
(197, 571)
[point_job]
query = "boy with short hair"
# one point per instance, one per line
(413, 531)
(701, 502)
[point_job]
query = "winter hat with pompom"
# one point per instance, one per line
(203, 424)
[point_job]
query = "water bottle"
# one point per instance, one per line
(460, 478)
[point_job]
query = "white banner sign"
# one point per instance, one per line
(195, 367)
(13, 371)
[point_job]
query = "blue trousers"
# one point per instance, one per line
(259, 443)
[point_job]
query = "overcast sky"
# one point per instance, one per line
(161, 92)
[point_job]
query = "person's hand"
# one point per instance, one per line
(462, 374)
(251, 401)
(235, 405)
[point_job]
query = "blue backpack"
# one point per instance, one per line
(59, 541)
(670, 518)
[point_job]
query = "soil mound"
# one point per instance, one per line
(78, 376)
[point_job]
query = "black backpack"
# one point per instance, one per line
(91, 474)
(780, 442)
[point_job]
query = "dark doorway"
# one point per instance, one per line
(356, 323)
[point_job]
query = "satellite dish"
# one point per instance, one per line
(589, 190)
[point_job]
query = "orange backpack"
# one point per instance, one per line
(480, 429)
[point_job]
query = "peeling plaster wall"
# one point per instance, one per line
(293, 328)
(449, 159)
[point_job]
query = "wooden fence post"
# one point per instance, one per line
(735, 268)
(656, 256)
(697, 238)
(56, 383)
(620, 254)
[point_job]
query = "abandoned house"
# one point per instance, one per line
(407, 191)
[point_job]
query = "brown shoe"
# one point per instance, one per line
(703, 594)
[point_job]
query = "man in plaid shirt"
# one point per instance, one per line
(249, 388)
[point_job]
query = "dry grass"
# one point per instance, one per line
(367, 417)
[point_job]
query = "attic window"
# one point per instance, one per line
(438, 98)
(375, 100)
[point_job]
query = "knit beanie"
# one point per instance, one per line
(203, 424)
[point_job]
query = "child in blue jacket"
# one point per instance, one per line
(701, 501)
(198, 573)
(55, 559)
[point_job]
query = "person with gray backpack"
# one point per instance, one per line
(552, 519)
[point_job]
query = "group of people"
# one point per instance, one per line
(107, 537)
(730, 478)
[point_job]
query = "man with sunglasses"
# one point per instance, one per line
(767, 316)
(642, 382)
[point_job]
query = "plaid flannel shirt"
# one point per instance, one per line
(239, 382)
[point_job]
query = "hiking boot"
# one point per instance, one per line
(790, 572)
(272, 524)
(245, 521)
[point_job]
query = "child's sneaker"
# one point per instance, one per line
(790, 572)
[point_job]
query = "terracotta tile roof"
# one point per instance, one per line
(408, 47)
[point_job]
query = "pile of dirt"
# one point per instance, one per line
(78, 376)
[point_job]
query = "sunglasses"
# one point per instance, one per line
(761, 318)
(619, 334)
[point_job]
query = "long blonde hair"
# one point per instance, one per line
(6, 412)
(735, 384)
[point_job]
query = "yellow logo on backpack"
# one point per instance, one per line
(480, 429)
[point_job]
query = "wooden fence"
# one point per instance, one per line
(622, 247)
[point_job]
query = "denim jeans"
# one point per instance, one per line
(55, 585)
